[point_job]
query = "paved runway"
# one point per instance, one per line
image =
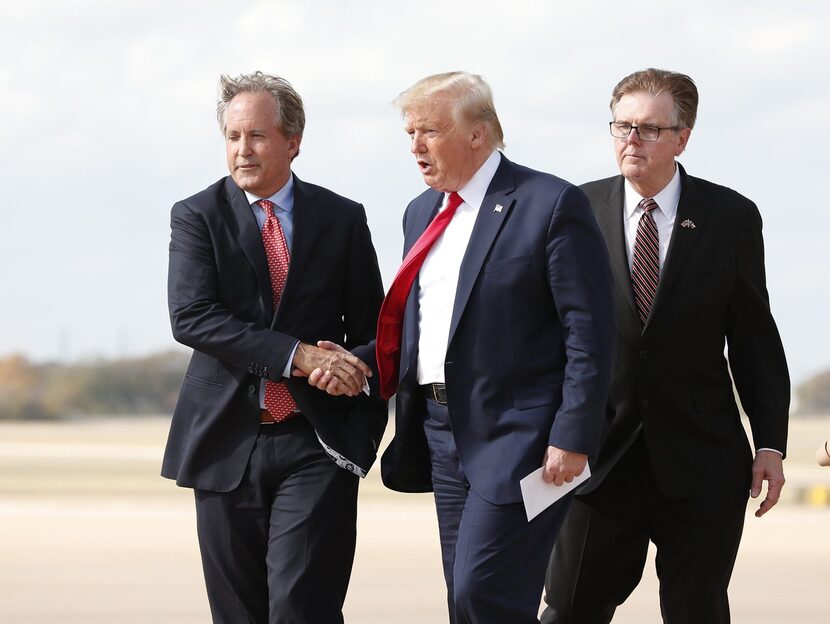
(90, 534)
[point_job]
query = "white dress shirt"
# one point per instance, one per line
(664, 215)
(438, 278)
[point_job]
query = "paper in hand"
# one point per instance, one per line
(538, 495)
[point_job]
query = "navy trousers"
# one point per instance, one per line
(494, 559)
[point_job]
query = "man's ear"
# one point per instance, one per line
(478, 135)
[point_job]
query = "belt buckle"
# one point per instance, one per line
(439, 393)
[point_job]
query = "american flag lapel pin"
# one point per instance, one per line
(688, 223)
(498, 208)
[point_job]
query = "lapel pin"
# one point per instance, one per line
(688, 223)
(498, 208)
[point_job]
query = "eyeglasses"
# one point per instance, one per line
(644, 133)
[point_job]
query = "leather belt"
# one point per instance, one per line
(265, 417)
(436, 392)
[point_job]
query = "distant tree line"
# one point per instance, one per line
(813, 396)
(150, 385)
(142, 385)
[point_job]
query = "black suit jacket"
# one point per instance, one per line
(220, 301)
(529, 353)
(671, 380)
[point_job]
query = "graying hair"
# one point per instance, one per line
(657, 81)
(473, 100)
(290, 118)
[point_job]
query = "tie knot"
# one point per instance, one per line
(267, 206)
(648, 204)
(454, 201)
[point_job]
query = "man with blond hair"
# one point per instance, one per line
(496, 335)
(262, 265)
(675, 467)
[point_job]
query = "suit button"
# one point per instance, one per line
(251, 389)
(643, 354)
(643, 403)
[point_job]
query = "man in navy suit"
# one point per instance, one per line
(262, 265)
(676, 467)
(506, 351)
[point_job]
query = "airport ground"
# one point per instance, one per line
(90, 534)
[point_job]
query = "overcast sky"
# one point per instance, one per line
(108, 112)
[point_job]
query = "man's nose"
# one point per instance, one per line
(243, 146)
(633, 137)
(417, 144)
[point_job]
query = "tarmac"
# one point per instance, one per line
(89, 533)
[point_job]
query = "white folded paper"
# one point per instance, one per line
(538, 495)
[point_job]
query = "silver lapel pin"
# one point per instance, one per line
(688, 223)
(498, 208)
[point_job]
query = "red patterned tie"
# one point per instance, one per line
(645, 266)
(390, 321)
(278, 401)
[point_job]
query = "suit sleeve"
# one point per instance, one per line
(198, 316)
(364, 291)
(579, 278)
(756, 355)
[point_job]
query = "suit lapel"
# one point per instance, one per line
(610, 220)
(487, 226)
(305, 217)
(683, 238)
(250, 240)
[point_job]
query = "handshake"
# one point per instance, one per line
(329, 367)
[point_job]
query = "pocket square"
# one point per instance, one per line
(688, 223)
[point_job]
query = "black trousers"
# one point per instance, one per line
(599, 557)
(494, 559)
(279, 548)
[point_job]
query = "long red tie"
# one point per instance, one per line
(278, 401)
(645, 266)
(390, 321)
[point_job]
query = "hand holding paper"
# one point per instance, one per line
(538, 495)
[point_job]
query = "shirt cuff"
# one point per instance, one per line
(769, 449)
(286, 372)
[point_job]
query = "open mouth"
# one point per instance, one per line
(424, 166)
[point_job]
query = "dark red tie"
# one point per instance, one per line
(645, 266)
(278, 401)
(390, 321)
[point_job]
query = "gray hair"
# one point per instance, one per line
(473, 100)
(657, 81)
(290, 118)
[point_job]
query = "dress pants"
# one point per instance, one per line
(600, 555)
(494, 559)
(279, 548)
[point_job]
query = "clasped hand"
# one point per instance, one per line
(329, 367)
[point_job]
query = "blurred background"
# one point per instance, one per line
(109, 117)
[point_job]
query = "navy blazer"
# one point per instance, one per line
(671, 380)
(220, 300)
(529, 352)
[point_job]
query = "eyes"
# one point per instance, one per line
(235, 136)
(428, 133)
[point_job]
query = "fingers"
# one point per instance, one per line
(774, 487)
(757, 480)
(358, 363)
(562, 466)
(327, 345)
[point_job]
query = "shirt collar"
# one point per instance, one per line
(474, 191)
(283, 198)
(667, 199)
